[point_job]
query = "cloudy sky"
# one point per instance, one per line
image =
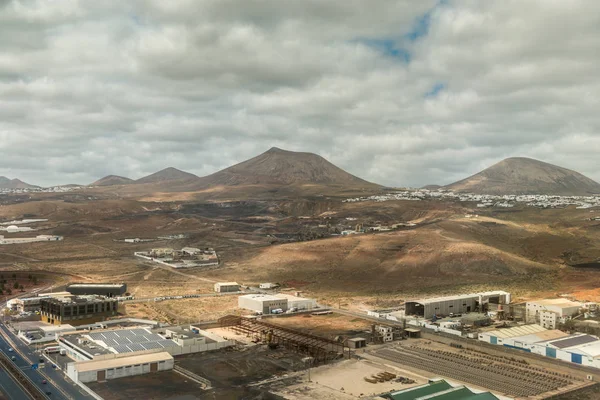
(398, 92)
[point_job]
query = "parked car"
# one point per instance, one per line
(10, 349)
(44, 382)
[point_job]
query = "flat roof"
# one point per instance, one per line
(86, 366)
(87, 285)
(557, 302)
(227, 284)
(260, 297)
(516, 331)
(458, 297)
(541, 336)
(290, 297)
(357, 339)
(412, 330)
(573, 341)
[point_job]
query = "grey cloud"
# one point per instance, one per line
(128, 88)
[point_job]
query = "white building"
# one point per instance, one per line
(268, 285)
(99, 371)
(540, 311)
(224, 287)
(296, 302)
(262, 303)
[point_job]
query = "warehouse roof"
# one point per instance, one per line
(573, 341)
(458, 297)
(86, 366)
(291, 297)
(88, 285)
(564, 303)
(516, 331)
(541, 336)
(227, 284)
(264, 297)
(439, 390)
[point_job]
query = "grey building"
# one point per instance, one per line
(101, 289)
(460, 304)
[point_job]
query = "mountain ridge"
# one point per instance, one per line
(167, 174)
(283, 167)
(112, 180)
(7, 183)
(522, 175)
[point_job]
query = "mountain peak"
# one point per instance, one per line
(283, 167)
(6, 183)
(111, 180)
(522, 175)
(167, 174)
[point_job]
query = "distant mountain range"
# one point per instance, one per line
(275, 167)
(521, 175)
(6, 183)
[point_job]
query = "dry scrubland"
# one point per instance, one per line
(526, 250)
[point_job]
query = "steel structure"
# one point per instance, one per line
(321, 349)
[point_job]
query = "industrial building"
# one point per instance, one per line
(115, 343)
(268, 285)
(460, 304)
(439, 389)
(550, 312)
(262, 303)
(99, 371)
(78, 310)
(227, 287)
(39, 238)
(29, 304)
(101, 289)
(297, 303)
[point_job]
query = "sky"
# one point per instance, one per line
(402, 93)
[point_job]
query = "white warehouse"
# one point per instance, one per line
(297, 303)
(98, 371)
(458, 304)
(262, 303)
(550, 312)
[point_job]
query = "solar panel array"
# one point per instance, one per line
(130, 340)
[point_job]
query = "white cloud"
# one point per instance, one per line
(397, 92)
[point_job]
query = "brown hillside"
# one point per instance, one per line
(112, 180)
(526, 176)
(6, 183)
(282, 167)
(167, 174)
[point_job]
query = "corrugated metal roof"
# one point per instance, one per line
(85, 366)
(541, 336)
(458, 297)
(515, 331)
(573, 341)
(590, 349)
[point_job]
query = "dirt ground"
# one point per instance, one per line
(329, 325)
(346, 380)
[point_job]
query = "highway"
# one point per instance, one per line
(10, 388)
(59, 385)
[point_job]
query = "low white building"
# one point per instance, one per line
(99, 371)
(224, 287)
(550, 312)
(262, 303)
(268, 285)
(296, 302)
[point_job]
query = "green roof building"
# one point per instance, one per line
(438, 390)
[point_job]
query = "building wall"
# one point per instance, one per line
(120, 372)
(458, 306)
(306, 304)
(548, 319)
(108, 292)
(55, 320)
(226, 288)
(260, 304)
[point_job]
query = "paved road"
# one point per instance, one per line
(25, 357)
(10, 388)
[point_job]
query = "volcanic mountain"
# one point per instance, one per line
(112, 180)
(282, 167)
(6, 183)
(521, 175)
(167, 174)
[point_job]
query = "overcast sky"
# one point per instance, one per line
(402, 93)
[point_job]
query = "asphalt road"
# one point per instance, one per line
(10, 388)
(55, 378)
